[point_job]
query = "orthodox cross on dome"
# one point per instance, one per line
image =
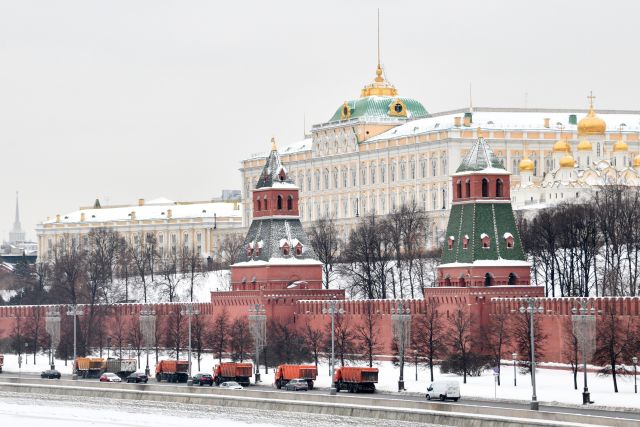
(591, 97)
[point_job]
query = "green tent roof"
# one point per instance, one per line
(479, 157)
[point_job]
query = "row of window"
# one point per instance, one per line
(263, 204)
(486, 241)
(485, 188)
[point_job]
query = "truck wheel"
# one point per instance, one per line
(428, 397)
(158, 378)
(442, 397)
(337, 387)
(278, 384)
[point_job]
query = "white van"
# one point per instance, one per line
(444, 390)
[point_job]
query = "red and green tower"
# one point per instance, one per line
(482, 246)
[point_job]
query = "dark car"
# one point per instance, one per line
(137, 377)
(203, 379)
(297, 384)
(51, 374)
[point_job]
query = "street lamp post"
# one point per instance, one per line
(634, 359)
(52, 325)
(515, 374)
(189, 310)
(258, 322)
(148, 326)
(584, 328)
(532, 306)
(415, 359)
(74, 311)
(332, 309)
(401, 321)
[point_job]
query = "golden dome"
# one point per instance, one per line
(585, 145)
(561, 146)
(620, 146)
(526, 165)
(379, 87)
(591, 124)
(636, 161)
(567, 161)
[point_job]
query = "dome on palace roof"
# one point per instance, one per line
(561, 146)
(585, 145)
(620, 146)
(567, 161)
(526, 165)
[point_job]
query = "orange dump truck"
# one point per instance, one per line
(173, 371)
(285, 373)
(88, 367)
(232, 371)
(355, 379)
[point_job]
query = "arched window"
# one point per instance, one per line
(467, 184)
(279, 202)
(259, 204)
(266, 203)
(498, 188)
(488, 279)
(485, 241)
(289, 203)
(513, 279)
(459, 189)
(485, 187)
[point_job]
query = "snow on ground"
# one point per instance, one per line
(56, 411)
(553, 385)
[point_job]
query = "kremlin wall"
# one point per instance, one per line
(483, 267)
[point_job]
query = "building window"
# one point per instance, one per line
(345, 182)
(499, 188)
(290, 203)
(434, 166)
(465, 242)
(412, 169)
(279, 202)
(335, 178)
(383, 173)
(199, 237)
(508, 238)
(467, 184)
(403, 170)
(161, 239)
(326, 179)
(423, 168)
(354, 178)
(317, 179)
(459, 189)
(450, 242)
(392, 172)
(485, 241)
(485, 187)
(363, 175)
(372, 173)
(266, 203)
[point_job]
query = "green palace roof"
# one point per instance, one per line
(375, 107)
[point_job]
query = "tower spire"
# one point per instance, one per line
(379, 77)
(16, 234)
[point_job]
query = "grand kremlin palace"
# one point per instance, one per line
(382, 149)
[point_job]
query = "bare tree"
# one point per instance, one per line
(135, 337)
(344, 339)
(118, 330)
(220, 334)
(496, 336)
(230, 248)
(143, 256)
(367, 334)
(323, 235)
(34, 332)
(240, 339)
(287, 345)
(69, 267)
(170, 277)
(429, 334)
(570, 349)
(313, 339)
(461, 339)
(520, 331)
(193, 268)
(199, 330)
(615, 339)
(124, 265)
(175, 330)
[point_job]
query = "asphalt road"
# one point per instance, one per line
(630, 415)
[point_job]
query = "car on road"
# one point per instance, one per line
(203, 379)
(109, 377)
(231, 385)
(50, 374)
(297, 384)
(443, 390)
(137, 377)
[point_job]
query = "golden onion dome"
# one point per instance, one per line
(636, 161)
(567, 161)
(526, 165)
(591, 124)
(561, 146)
(620, 146)
(585, 145)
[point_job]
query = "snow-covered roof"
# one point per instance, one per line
(296, 147)
(157, 209)
(516, 119)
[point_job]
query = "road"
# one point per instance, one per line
(418, 400)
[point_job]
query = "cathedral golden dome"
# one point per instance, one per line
(526, 165)
(636, 161)
(561, 146)
(585, 145)
(567, 161)
(620, 146)
(591, 124)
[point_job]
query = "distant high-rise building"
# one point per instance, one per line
(17, 233)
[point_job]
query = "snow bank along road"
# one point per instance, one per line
(363, 406)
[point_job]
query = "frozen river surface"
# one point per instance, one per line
(53, 411)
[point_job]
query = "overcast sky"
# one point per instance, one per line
(140, 99)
